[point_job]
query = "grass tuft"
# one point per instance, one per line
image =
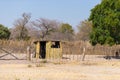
(29, 66)
(40, 65)
(17, 79)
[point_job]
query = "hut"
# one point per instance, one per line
(48, 49)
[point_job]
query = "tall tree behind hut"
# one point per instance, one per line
(20, 30)
(84, 29)
(45, 27)
(67, 31)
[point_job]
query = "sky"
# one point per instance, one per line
(66, 11)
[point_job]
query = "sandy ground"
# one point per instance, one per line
(87, 70)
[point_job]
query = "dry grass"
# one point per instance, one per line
(40, 65)
(87, 70)
(88, 63)
(75, 47)
(17, 79)
(61, 70)
(15, 46)
(29, 65)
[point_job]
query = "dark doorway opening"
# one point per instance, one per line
(43, 50)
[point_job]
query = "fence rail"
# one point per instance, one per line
(70, 50)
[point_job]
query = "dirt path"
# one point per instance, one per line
(88, 70)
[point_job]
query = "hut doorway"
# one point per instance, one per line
(43, 49)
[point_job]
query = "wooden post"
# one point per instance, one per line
(28, 53)
(83, 55)
(84, 48)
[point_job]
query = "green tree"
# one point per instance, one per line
(106, 23)
(67, 31)
(66, 28)
(4, 32)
